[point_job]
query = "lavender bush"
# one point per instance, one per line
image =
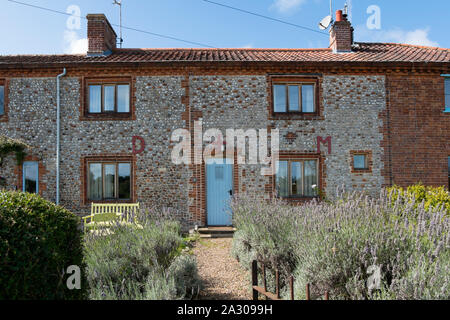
(333, 245)
(140, 261)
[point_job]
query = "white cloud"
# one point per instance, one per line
(284, 6)
(73, 44)
(415, 37)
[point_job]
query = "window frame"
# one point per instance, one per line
(4, 115)
(289, 160)
(116, 180)
(102, 98)
(446, 96)
(368, 161)
(24, 165)
(300, 97)
(86, 113)
(295, 81)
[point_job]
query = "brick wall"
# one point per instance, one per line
(420, 130)
(101, 36)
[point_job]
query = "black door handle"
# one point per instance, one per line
(231, 192)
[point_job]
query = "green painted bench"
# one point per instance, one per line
(103, 215)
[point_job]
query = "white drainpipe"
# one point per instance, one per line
(58, 129)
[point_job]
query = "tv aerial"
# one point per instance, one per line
(328, 20)
(119, 3)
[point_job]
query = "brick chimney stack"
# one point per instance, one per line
(101, 36)
(341, 34)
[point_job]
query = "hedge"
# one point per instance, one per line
(38, 242)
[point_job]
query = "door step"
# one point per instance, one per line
(216, 232)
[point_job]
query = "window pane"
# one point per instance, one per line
(447, 86)
(123, 98)
(308, 98)
(108, 97)
(282, 180)
(296, 178)
(311, 185)
(95, 99)
(124, 181)
(294, 98)
(359, 161)
(279, 98)
(30, 177)
(447, 94)
(95, 181)
(2, 100)
(110, 179)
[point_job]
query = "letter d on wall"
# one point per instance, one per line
(142, 144)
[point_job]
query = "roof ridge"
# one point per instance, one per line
(221, 49)
(44, 55)
(404, 45)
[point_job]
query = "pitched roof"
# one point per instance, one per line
(362, 52)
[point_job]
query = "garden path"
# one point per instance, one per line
(222, 275)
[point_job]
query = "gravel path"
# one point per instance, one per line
(223, 277)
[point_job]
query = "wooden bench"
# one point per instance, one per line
(104, 214)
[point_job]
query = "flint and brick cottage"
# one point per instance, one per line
(358, 115)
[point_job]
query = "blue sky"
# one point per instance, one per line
(28, 30)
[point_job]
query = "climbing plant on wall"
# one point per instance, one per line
(8, 145)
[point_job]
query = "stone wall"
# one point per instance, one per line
(32, 118)
(351, 116)
(158, 111)
(352, 108)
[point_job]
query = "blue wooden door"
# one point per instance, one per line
(219, 182)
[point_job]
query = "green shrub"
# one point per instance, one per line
(134, 263)
(38, 241)
(432, 197)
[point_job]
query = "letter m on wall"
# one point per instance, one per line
(326, 141)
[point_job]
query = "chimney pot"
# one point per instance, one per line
(339, 15)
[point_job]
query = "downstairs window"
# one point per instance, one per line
(30, 177)
(297, 178)
(109, 181)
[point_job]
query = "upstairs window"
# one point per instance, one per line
(30, 177)
(447, 94)
(109, 181)
(297, 178)
(109, 98)
(294, 97)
